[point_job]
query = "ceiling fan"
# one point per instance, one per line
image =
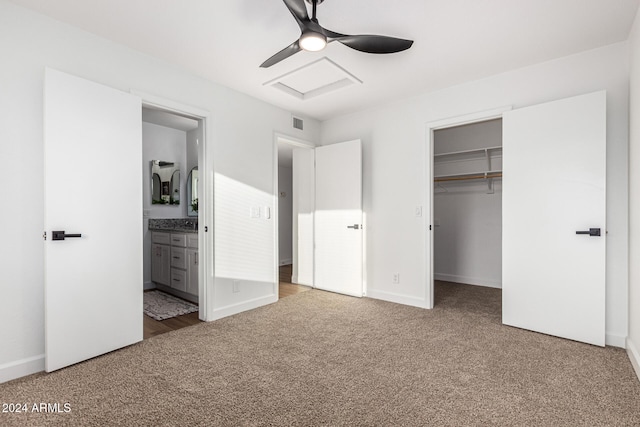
(315, 38)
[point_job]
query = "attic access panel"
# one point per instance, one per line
(314, 79)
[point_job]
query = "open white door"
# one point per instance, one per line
(554, 158)
(93, 187)
(338, 218)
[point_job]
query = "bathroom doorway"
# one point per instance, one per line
(173, 158)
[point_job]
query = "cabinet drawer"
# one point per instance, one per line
(178, 257)
(178, 240)
(160, 238)
(179, 279)
(192, 240)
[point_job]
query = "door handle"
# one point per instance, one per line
(592, 232)
(61, 235)
(354, 226)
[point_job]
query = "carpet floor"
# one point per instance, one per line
(318, 358)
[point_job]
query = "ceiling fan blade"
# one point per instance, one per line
(299, 11)
(283, 54)
(371, 43)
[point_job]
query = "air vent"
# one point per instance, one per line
(298, 123)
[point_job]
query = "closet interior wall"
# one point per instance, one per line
(468, 204)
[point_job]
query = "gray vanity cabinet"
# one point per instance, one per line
(174, 260)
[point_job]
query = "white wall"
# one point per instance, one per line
(285, 215)
(467, 218)
(394, 168)
(29, 42)
(633, 342)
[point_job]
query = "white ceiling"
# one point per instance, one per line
(455, 40)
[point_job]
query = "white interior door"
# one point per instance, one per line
(554, 186)
(93, 187)
(338, 218)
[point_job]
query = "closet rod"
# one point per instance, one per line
(464, 178)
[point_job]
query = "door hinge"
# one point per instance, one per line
(429, 227)
(44, 235)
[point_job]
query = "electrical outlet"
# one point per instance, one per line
(396, 278)
(235, 286)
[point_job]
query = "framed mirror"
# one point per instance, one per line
(192, 192)
(165, 183)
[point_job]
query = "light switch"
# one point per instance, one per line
(418, 210)
(255, 212)
(267, 212)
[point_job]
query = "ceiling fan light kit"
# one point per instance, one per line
(312, 41)
(314, 37)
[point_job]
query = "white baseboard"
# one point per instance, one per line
(615, 340)
(397, 298)
(21, 368)
(467, 280)
(634, 356)
(232, 309)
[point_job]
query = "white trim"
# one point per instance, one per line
(397, 298)
(615, 340)
(634, 356)
(466, 280)
(21, 368)
(479, 116)
(206, 272)
(151, 100)
(230, 310)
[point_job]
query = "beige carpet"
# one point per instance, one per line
(318, 358)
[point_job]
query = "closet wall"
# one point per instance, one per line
(285, 215)
(468, 213)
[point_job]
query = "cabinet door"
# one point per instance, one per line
(192, 271)
(160, 264)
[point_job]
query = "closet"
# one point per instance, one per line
(467, 209)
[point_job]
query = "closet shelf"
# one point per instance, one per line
(474, 151)
(468, 176)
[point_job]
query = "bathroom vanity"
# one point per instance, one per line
(174, 257)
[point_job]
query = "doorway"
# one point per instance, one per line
(294, 269)
(172, 159)
(466, 210)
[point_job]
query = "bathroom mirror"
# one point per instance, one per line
(165, 183)
(192, 192)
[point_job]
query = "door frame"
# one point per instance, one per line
(206, 269)
(431, 127)
(297, 143)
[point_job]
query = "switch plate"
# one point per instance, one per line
(255, 212)
(418, 211)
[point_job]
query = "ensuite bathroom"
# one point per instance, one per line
(171, 153)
